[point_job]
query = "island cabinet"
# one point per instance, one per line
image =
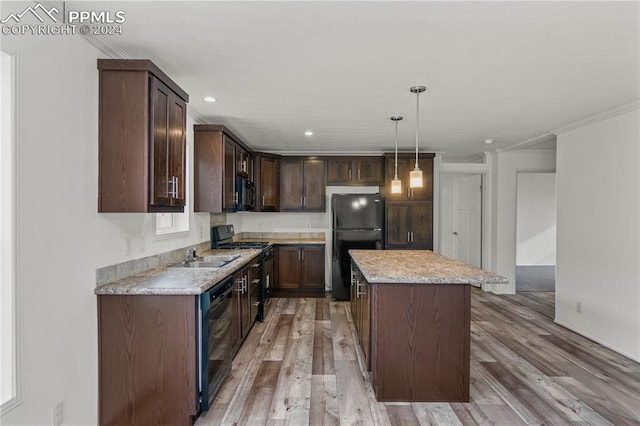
(219, 156)
(267, 181)
(361, 312)
(355, 171)
(147, 359)
(141, 138)
(412, 312)
(300, 268)
(302, 184)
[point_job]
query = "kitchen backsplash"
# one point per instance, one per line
(278, 235)
(109, 274)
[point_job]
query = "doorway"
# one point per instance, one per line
(461, 218)
(535, 232)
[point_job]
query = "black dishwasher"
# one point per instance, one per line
(217, 340)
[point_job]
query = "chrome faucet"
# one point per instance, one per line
(190, 254)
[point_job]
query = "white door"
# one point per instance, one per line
(467, 220)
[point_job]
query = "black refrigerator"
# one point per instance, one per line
(357, 224)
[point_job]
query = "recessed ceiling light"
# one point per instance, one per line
(209, 99)
(308, 133)
(488, 141)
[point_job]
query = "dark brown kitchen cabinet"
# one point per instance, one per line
(409, 225)
(301, 267)
(147, 346)
(267, 181)
(142, 138)
(361, 312)
(355, 171)
(244, 163)
(302, 184)
(406, 163)
(246, 286)
(217, 154)
(409, 215)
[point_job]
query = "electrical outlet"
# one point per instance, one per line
(58, 414)
(308, 225)
(579, 307)
(127, 246)
(201, 234)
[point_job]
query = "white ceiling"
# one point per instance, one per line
(511, 71)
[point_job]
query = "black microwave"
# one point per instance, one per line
(246, 194)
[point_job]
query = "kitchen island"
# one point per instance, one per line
(412, 311)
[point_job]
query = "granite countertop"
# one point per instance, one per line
(177, 281)
(418, 267)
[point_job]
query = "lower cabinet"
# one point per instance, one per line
(301, 267)
(409, 225)
(361, 312)
(148, 352)
(147, 363)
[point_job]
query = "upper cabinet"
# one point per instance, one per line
(355, 171)
(142, 138)
(267, 181)
(406, 163)
(218, 157)
(302, 184)
(244, 163)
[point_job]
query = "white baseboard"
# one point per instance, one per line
(605, 344)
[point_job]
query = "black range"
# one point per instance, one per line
(222, 238)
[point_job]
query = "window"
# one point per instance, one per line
(9, 386)
(170, 224)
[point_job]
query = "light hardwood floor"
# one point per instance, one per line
(302, 366)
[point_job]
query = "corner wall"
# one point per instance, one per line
(506, 166)
(61, 239)
(598, 250)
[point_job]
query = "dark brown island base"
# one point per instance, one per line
(412, 312)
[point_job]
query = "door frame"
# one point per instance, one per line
(484, 170)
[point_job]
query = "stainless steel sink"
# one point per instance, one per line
(209, 262)
(218, 258)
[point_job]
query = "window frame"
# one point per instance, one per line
(12, 194)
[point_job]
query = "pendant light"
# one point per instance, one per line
(396, 184)
(415, 177)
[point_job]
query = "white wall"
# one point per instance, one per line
(598, 187)
(506, 165)
(61, 237)
(298, 222)
(536, 219)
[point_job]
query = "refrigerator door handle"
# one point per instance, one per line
(335, 247)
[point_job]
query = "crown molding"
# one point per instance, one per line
(537, 139)
(599, 117)
(107, 46)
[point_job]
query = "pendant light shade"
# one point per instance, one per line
(415, 177)
(396, 184)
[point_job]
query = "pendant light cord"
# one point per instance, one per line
(396, 178)
(417, 125)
